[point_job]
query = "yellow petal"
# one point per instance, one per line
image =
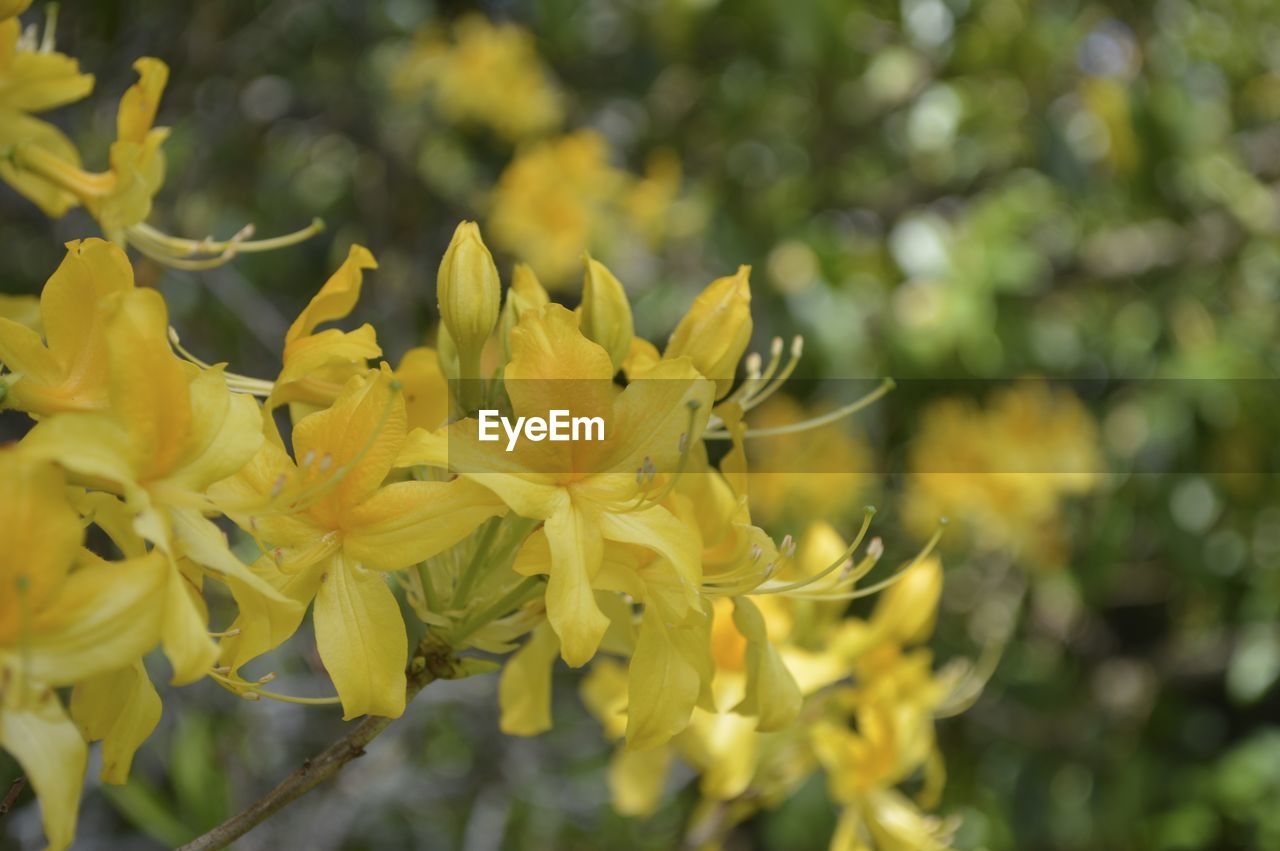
(225, 433)
(95, 447)
(655, 416)
(663, 685)
(524, 689)
(606, 313)
(53, 756)
(121, 708)
(41, 534)
(19, 129)
(426, 393)
(408, 522)
(771, 693)
(264, 623)
(658, 530)
(317, 366)
(38, 80)
(138, 105)
(336, 298)
(12, 9)
(200, 540)
(72, 373)
(576, 553)
(149, 385)
(106, 615)
(357, 440)
(137, 169)
(362, 640)
(554, 366)
(184, 630)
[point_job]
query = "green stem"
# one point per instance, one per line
(520, 593)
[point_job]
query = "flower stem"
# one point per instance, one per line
(430, 663)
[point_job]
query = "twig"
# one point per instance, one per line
(11, 797)
(430, 663)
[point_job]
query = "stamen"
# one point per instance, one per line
(815, 422)
(207, 253)
(838, 564)
(924, 553)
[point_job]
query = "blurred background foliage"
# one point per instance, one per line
(929, 189)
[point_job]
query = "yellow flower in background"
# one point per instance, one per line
(488, 75)
(35, 78)
(561, 197)
(334, 531)
(67, 618)
(1004, 471)
(869, 704)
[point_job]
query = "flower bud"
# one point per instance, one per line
(468, 294)
(717, 329)
(526, 293)
(606, 313)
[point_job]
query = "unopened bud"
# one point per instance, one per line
(468, 294)
(606, 313)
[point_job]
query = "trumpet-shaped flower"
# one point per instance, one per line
(335, 530)
(121, 196)
(586, 493)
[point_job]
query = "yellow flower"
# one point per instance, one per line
(67, 371)
(35, 79)
(490, 75)
(334, 531)
(561, 197)
(43, 165)
(168, 432)
(1004, 471)
(587, 492)
(120, 197)
(66, 617)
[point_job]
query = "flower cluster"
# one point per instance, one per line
(561, 191)
(354, 485)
